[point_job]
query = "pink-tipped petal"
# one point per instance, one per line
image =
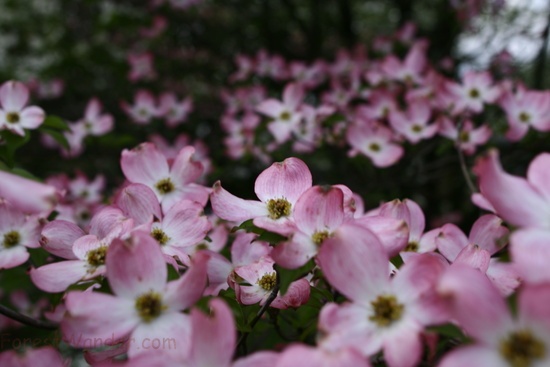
(13, 96)
(355, 263)
(144, 164)
(474, 302)
(135, 266)
(187, 290)
(230, 207)
(288, 179)
(138, 202)
(58, 237)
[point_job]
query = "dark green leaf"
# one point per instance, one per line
(54, 123)
(287, 276)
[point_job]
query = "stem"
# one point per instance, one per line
(270, 299)
(6, 311)
(465, 172)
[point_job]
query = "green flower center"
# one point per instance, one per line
(375, 147)
(149, 306)
(159, 235)
(464, 136)
(285, 116)
(268, 281)
(96, 257)
(278, 208)
(412, 246)
(416, 128)
(164, 186)
(11, 239)
(320, 236)
(386, 310)
(12, 117)
(522, 349)
(474, 93)
(524, 117)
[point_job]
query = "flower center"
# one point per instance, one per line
(411, 246)
(149, 306)
(12, 117)
(11, 239)
(375, 147)
(285, 116)
(474, 93)
(522, 348)
(159, 235)
(386, 310)
(278, 208)
(464, 136)
(524, 117)
(320, 236)
(165, 186)
(268, 281)
(416, 128)
(96, 257)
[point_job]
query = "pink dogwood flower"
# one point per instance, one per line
(476, 89)
(141, 67)
(285, 114)
(17, 232)
(143, 306)
(145, 164)
(144, 108)
(466, 138)
(14, 116)
(413, 124)
(278, 188)
(500, 339)
(174, 112)
(374, 141)
(383, 313)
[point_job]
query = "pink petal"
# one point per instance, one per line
(184, 292)
(57, 277)
(474, 256)
(475, 303)
(513, 198)
(292, 96)
(230, 207)
(138, 202)
(473, 356)
(213, 333)
(13, 96)
(186, 224)
(246, 250)
(530, 252)
(258, 359)
(533, 305)
(97, 319)
(169, 335)
(12, 257)
(288, 179)
(538, 174)
(32, 117)
(296, 252)
(144, 164)
(135, 266)
(271, 108)
(296, 295)
(504, 276)
(403, 348)
(450, 241)
(58, 237)
(28, 196)
(392, 233)
(319, 209)
(487, 231)
(355, 263)
(306, 356)
(185, 168)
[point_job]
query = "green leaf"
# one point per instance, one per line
(287, 276)
(13, 142)
(54, 123)
(449, 330)
(58, 137)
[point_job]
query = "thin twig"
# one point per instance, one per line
(6, 311)
(260, 313)
(465, 172)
